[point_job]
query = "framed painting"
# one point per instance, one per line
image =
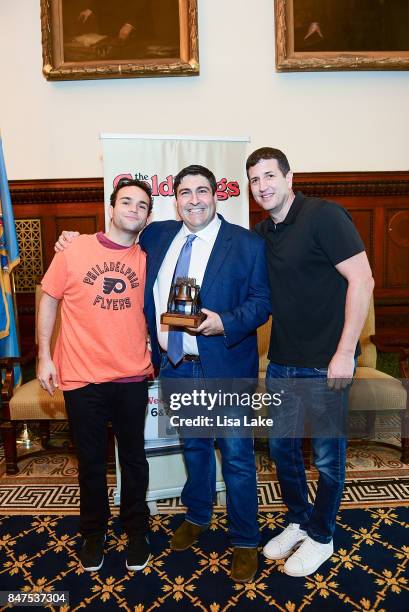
(342, 35)
(107, 39)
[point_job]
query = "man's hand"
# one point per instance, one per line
(340, 370)
(211, 326)
(47, 375)
(314, 28)
(125, 31)
(64, 240)
(84, 15)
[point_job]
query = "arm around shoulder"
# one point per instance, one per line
(64, 240)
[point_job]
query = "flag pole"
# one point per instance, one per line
(13, 295)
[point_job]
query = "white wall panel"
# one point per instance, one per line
(325, 122)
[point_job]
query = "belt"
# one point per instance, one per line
(191, 358)
(185, 357)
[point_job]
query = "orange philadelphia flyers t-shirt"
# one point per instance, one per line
(103, 334)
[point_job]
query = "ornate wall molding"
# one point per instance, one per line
(55, 191)
(328, 184)
(323, 184)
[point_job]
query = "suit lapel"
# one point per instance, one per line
(217, 257)
(157, 255)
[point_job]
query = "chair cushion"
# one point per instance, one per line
(375, 390)
(31, 402)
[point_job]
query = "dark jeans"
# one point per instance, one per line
(238, 468)
(326, 411)
(89, 410)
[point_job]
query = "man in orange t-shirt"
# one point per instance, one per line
(101, 362)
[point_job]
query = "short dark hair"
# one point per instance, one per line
(127, 182)
(268, 153)
(195, 170)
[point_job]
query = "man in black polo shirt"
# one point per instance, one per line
(321, 285)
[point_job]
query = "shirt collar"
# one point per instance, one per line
(292, 213)
(207, 233)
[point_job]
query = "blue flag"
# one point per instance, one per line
(9, 259)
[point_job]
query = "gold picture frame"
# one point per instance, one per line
(320, 35)
(112, 42)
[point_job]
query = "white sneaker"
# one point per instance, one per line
(283, 545)
(307, 559)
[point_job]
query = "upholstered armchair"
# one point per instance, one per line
(30, 403)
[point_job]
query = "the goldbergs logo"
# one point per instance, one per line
(225, 188)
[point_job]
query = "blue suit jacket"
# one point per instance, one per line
(235, 285)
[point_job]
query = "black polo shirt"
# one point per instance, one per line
(308, 293)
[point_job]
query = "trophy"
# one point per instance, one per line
(183, 304)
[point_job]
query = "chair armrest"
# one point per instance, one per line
(394, 346)
(6, 365)
(8, 380)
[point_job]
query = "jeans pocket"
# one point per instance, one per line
(276, 370)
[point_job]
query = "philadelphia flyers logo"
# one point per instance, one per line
(116, 285)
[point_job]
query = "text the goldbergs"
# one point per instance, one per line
(205, 399)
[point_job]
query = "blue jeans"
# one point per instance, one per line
(238, 469)
(326, 411)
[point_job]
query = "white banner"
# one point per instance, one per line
(157, 159)
(156, 410)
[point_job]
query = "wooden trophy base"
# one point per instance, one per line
(182, 320)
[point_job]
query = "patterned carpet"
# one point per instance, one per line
(368, 572)
(47, 482)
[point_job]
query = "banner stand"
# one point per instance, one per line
(167, 476)
(167, 472)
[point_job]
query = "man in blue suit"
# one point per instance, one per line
(228, 262)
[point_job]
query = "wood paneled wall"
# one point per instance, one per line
(377, 201)
(75, 204)
(379, 205)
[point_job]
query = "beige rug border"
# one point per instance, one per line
(217, 509)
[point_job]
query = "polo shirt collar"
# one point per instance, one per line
(292, 213)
